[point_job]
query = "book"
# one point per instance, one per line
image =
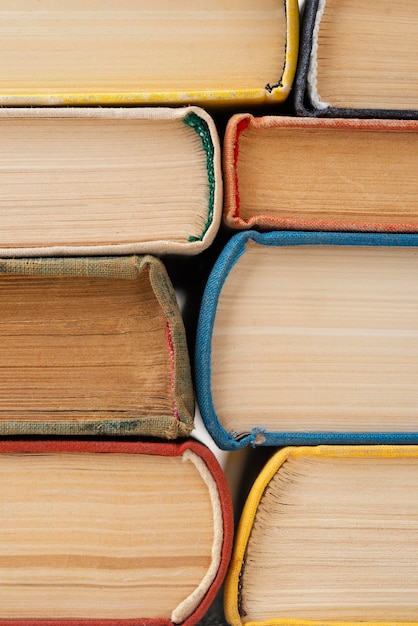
(92, 346)
(328, 535)
(85, 181)
(358, 60)
(152, 52)
(320, 174)
(308, 338)
(117, 533)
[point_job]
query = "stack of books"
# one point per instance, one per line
(208, 211)
(307, 337)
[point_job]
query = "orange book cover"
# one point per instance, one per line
(320, 174)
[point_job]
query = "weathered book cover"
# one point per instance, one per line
(92, 346)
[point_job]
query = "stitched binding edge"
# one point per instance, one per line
(201, 127)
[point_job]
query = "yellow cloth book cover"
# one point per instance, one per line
(328, 537)
(76, 52)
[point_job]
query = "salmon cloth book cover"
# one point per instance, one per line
(328, 536)
(320, 174)
(109, 534)
(92, 346)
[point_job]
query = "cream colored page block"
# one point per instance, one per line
(93, 182)
(101, 535)
(79, 347)
(335, 539)
(154, 45)
(337, 175)
(367, 54)
(318, 338)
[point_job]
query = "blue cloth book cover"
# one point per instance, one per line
(307, 338)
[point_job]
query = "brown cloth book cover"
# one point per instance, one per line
(92, 346)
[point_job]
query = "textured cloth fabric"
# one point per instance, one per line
(178, 420)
